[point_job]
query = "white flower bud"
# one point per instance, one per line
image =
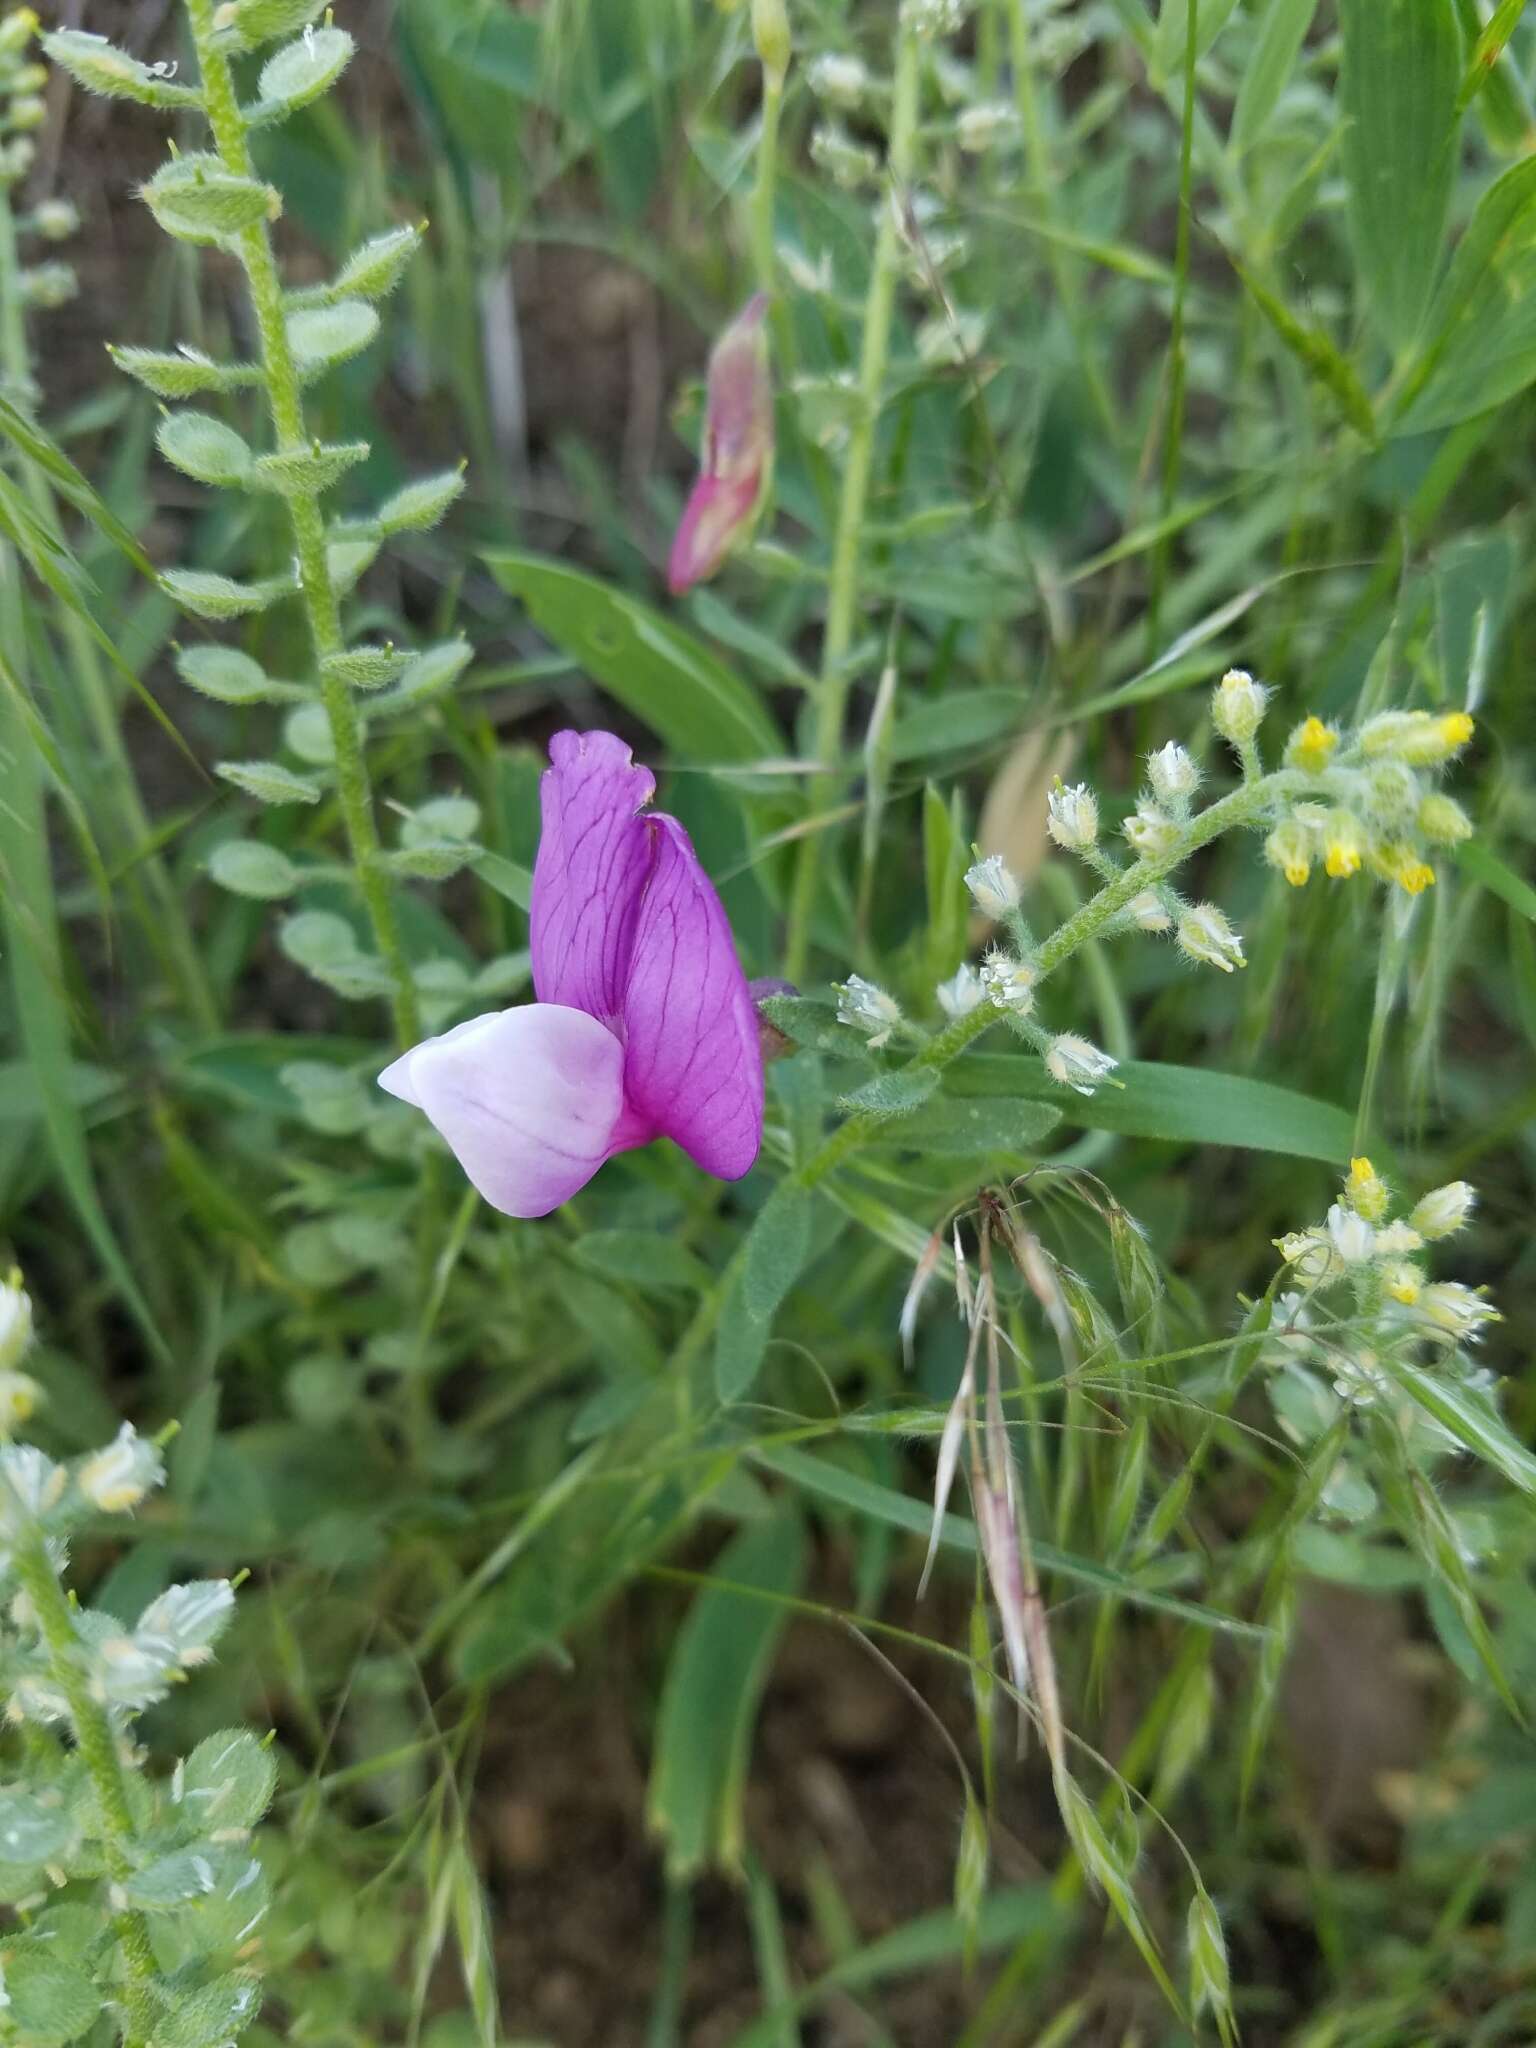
(868, 1009)
(931, 18)
(1150, 912)
(19, 1396)
(1010, 983)
(30, 1484)
(958, 996)
(118, 1477)
(1205, 934)
(1352, 1237)
(1152, 833)
(1443, 1211)
(1455, 1311)
(55, 219)
(1394, 1239)
(994, 887)
(986, 126)
(1076, 1063)
(1173, 773)
(15, 1322)
(840, 81)
(1310, 1253)
(1072, 816)
(1237, 706)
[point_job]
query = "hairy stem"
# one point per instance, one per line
(281, 378)
(847, 547)
(98, 1752)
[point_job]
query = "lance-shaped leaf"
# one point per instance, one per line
(300, 472)
(182, 373)
(372, 271)
(196, 199)
(421, 505)
(101, 67)
(365, 668)
(269, 781)
(211, 596)
(300, 72)
(434, 670)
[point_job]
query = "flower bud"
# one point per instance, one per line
(1343, 845)
(1403, 1282)
(1173, 773)
(931, 18)
(27, 112)
(1289, 848)
(846, 162)
(1366, 1192)
(770, 33)
(1420, 738)
(19, 1396)
(994, 887)
(1205, 934)
(48, 286)
(867, 1008)
(1444, 1211)
(15, 1322)
(1454, 1311)
(1398, 863)
(1311, 1254)
(1237, 706)
(986, 126)
(1152, 833)
(1010, 983)
(958, 996)
(737, 458)
(30, 1484)
(17, 30)
(1311, 746)
(1149, 912)
(117, 1478)
(840, 81)
(1442, 820)
(1072, 816)
(1076, 1063)
(55, 219)
(1393, 1239)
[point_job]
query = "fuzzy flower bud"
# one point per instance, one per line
(55, 219)
(1149, 912)
(1444, 1211)
(1343, 845)
(1010, 983)
(846, 162)
(48, 286)
(1310, 1254)
(994, 887)
(1076, 1063)
(1403, 1282)
(117, 1478)
(1237, 706)
(1395, 862)
(958, 996)
(840, 81)
(1152, 833)
(1366, 1192)
(1393, 1239)
(1173, 773)
(1311, 746)
(15, 1322)
(1072, 816)
(30, 1485)
(17, 30)
(1289, 848)
(19, 1396)
(1205, 934)
(868, 1009)
(1454, 1311)
(28, 112)
(1442, 820)
(1423, 739)
(770, 33)
(986, 126)
(737, 458)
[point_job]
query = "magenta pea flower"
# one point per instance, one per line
(643, 1026)
(737, 458)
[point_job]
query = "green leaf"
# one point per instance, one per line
(1480, 345)
(322, 336)
(366, 668)
(269, 781)
(1180, 1105)
(373, 270)
(247, 868)
(945, 1127)
(173, 1880)
(208, 2016)
(826, 1481)
(231, 677)
(300, 72)
(709, 1700)
(656, 670)
(741, 1339)
(184, 373)
(208, 595)
(227, 1781)
(1472, 1420)
(49, 2001)
(507, 877)
(31, 1832)
(777, 1249)
(957, 718)
(1476, 860)
(945, 859)
(298, 472)
(196, 199)
(814, 1025)
(434, 670)
(430, 860)
(422, 504)
(895, 1094)
(307, 733)
(1281, 35)
(249, 22)
(204, 448)
(643, 1259)
(1399, 73)
(1317, 353)
(102, 68)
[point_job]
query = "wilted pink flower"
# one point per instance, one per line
(737, 454)
(643, 1027)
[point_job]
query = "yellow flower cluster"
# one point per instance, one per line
(1381, 816)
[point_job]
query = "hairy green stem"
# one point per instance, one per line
(98, 1752)
(843, 595)
(281, 378)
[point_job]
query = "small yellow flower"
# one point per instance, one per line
(1415, 877)
(1289, 848)
(1341, 845)
(1419, 738)
(1311, 745)
(1365, 1191)
(1404, 1283)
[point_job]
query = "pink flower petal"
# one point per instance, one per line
(718, 513)
(593, 861)
(531, 1101)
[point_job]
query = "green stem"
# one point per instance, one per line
(281, 378)
(98, 1752)
(843, 595)
(1173, 444)
(763, 259)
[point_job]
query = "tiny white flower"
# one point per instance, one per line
(1173, 773)
(958, 996)
(1152, 833)
(1237, 706)
(1010, 982)
(1353, 1238)
(1076, 1063)
(19, 1396)
(985, 126)
(1205, 934)
(1394, 1240)
(1072, 816)
(118, 1477)
(15, 1322)
(1455, 1311)
(994, 887)
(1443, 1211)
(1149, 912)
(1310, 1254)
(840, 80)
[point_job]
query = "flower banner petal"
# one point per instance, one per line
(594, 855)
